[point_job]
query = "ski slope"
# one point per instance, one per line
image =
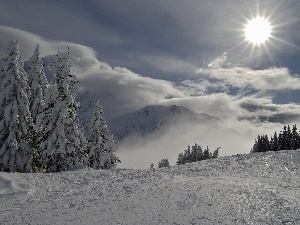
(261, 188)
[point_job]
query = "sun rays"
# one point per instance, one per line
(260, 32)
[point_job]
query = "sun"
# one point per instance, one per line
(258, 30)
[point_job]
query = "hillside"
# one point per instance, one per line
(243, 189)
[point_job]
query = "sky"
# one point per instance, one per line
(191, 53)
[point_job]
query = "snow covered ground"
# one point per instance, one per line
(244, 189)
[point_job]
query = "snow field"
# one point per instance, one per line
(261, 188)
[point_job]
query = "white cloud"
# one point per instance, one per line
(28, 41)
(121, 90)
(243, 77)
(141, 152)
(220, 105)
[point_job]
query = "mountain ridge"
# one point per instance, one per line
(157, 118)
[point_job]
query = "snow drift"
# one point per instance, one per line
(260, 188)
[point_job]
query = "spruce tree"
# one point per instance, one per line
(295, 138)
(289, 138)
(281, 141)
(216, 153)
(180, 159)
(65, 144)
(101, 146)
(206, 154)
(18, 152)
(275, 143)
(38, 84)
(152, 166)
(163, 163)
(187, 155)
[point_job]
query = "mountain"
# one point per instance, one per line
(156, 119)
(260, 188)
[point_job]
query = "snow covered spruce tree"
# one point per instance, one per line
(18, 150)
(101, 145)
(65, 145)
(38, 84)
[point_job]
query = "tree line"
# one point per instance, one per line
(287, 139)
(39, 125)
(191, 154)
(196, 153)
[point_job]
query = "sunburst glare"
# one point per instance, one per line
(258, 30)
(260, 33)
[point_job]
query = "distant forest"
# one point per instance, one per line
(286, 139)
(189, 155)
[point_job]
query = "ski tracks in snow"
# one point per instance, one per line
(245, 189)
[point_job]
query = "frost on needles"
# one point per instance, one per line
(39, 125)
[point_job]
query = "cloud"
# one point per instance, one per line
(264, 110)
(28, 41)
(59, 20)
(220, 105)
(140, 152)
(119, 89)
(245, 78)
(167, 63)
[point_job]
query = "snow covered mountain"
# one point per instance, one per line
(260, 188)
(156, 119)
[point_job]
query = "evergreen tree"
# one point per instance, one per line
(65, 144)
(199, 152)
(255, 147)
(289, 138)
(163, 163)
(274, 143)
(206, 154)
(17, 135)
(187, 155)
(295, 138)
(281, 140)
(265, 144)
(180, 159)
(261, 144)
(271, 144)
(101, 144)
(286, 140)
(216, 153)
(196, 153)
(38, 84)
